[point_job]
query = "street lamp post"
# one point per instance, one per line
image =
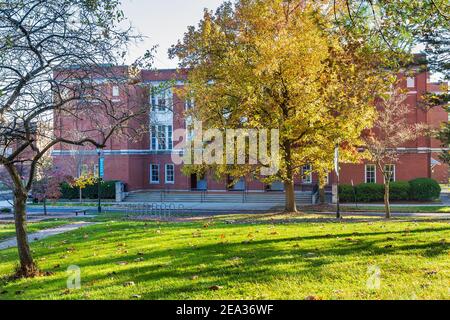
(99, 178)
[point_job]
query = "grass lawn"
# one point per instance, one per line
(415, 209)
(8, 230)
(252, 257)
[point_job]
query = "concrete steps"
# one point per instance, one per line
(303, 198)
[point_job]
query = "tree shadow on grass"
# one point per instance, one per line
(255, 261)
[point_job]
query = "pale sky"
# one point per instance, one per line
(163, 22)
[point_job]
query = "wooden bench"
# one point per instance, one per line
(84, 211)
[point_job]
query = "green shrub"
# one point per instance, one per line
(424, 189)
(370, 192)
(346, 193)
(399, 191)
(419, 189)
(108, 191)
(5, 210)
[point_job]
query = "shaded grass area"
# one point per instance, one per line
(8, 230)
(415, 209)
(380, 208)
(250, 257)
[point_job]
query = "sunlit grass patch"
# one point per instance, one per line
(241, 259)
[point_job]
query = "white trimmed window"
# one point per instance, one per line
(390, 169)
(170, 173)
(154, 138)
(189, 103)
(96, 170)
(161, 137)
(307, 174)
(115, 91)
(371, 173)
(161, 100)
(154, 173)
(153, 100)
(169, 137)
(411, 82)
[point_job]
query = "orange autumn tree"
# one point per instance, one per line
(280, 64)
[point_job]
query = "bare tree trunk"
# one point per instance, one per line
(27, 266)
(387, 205)
(81, 195)
(45, 206)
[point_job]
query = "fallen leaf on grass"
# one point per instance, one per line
(122, 263)
(197, 234)
(65, 292)
(215, 288)
(313, 298)
(129, 284)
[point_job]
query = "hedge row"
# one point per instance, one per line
(422, 189)
(108, 191)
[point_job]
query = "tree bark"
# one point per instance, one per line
(291, 205)
(45, 206)
(27, 266)
(387, 205)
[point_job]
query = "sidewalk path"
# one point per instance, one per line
(42, 234)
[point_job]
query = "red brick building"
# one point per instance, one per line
(146, 164)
